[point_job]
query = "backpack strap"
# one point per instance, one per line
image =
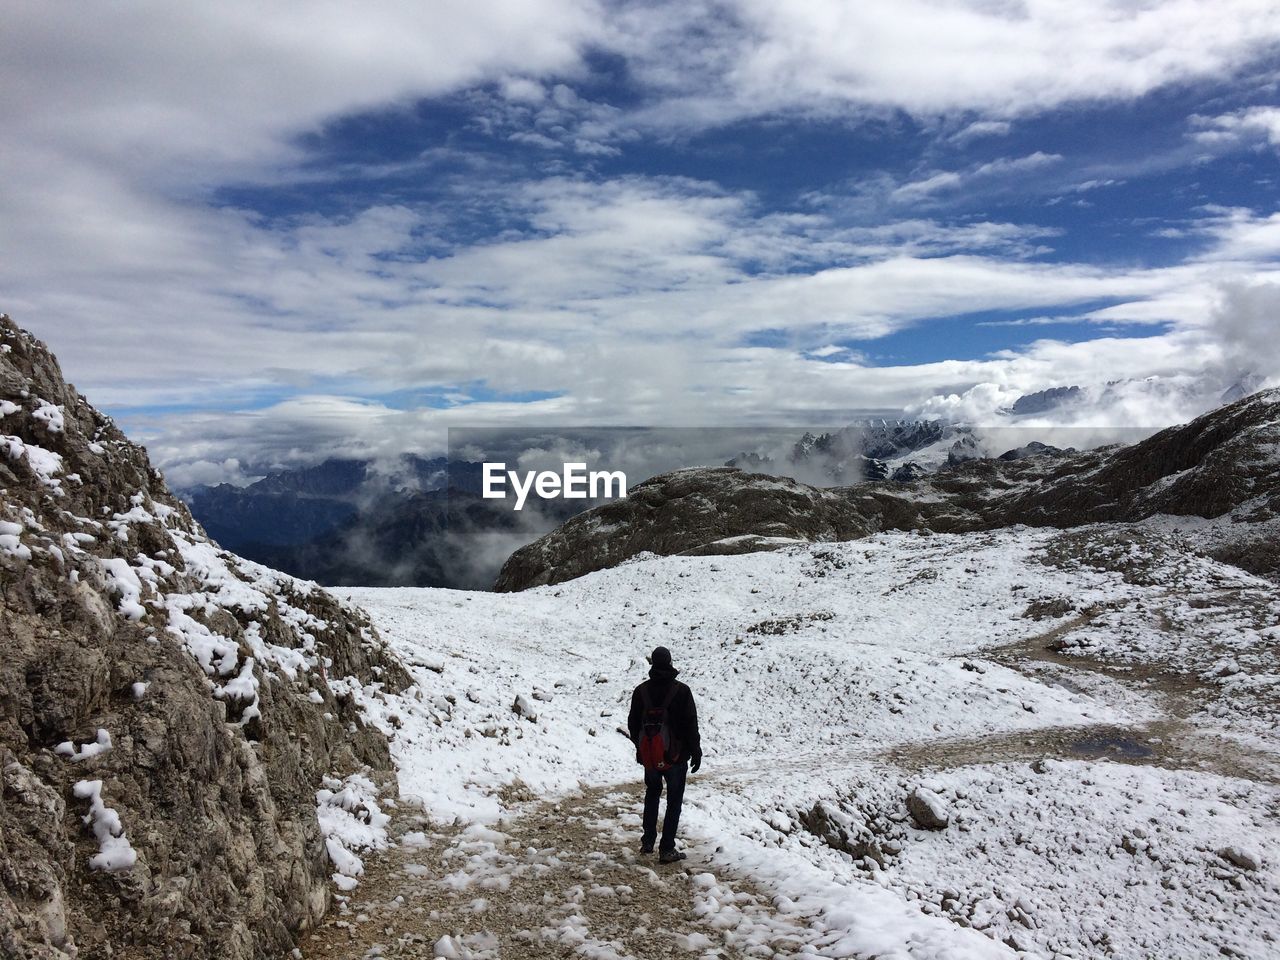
(645, 695)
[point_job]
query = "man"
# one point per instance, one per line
(663, 723)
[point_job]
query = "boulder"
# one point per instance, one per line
(1241, 857)
(928, 810)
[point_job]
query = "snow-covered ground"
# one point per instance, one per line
(833, 681)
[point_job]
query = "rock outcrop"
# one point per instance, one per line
(684, 511)
(168, 711)
(1218, 477)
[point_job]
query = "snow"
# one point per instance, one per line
(351, 821)
(115, 853)
(137, 513)
(933, 804)
(242, 689)
(226, 582)
(835, 680)
(43, 463)
(1242, 857)
(290, 662)
(99, 745)
(49, 415)
(122, 580)
(11, 544)
(8, 407)
(757, 540)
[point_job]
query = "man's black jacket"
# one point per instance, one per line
(682, 715)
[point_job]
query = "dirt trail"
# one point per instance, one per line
(554, 880)
(1173, 740)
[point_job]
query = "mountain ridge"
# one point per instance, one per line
(1221, 467)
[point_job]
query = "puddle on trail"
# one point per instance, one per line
(1151, 743)
(1114, 745)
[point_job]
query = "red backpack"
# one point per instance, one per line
(659, 750)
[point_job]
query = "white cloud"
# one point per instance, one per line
(632, 298)
(1252, 123)
(186, 474)
(225, 84)
(981, 128)
(1244, 324)
(994, 170)
(1237, 234)
(523, 90)
(1002, 60)
(1006, 165)
(1180, 375)
(1131, 386)
(934, 183)
(526, 112)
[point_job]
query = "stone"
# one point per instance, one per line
(927, 809)
(1241, 857)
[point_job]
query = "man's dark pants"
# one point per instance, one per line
(675, 798)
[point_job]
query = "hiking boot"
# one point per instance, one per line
(671, 856)
(646, 848)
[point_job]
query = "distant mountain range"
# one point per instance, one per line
(413, 522)
(899, 450)
(290, 507)
(418, 521)
(1216, 480)
(1045, 401)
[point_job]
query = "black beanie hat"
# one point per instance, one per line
(661, 657)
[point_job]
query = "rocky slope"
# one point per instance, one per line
(172, 717)
(1217, 478)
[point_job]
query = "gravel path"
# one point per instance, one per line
(554, 880)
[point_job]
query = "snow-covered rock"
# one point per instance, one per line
(1242, 857)
(159, 738)
(522, 707)
(927, 809)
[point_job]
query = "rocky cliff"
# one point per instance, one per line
(170, 714)
(1216, 479)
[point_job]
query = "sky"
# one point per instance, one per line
(259, 237)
